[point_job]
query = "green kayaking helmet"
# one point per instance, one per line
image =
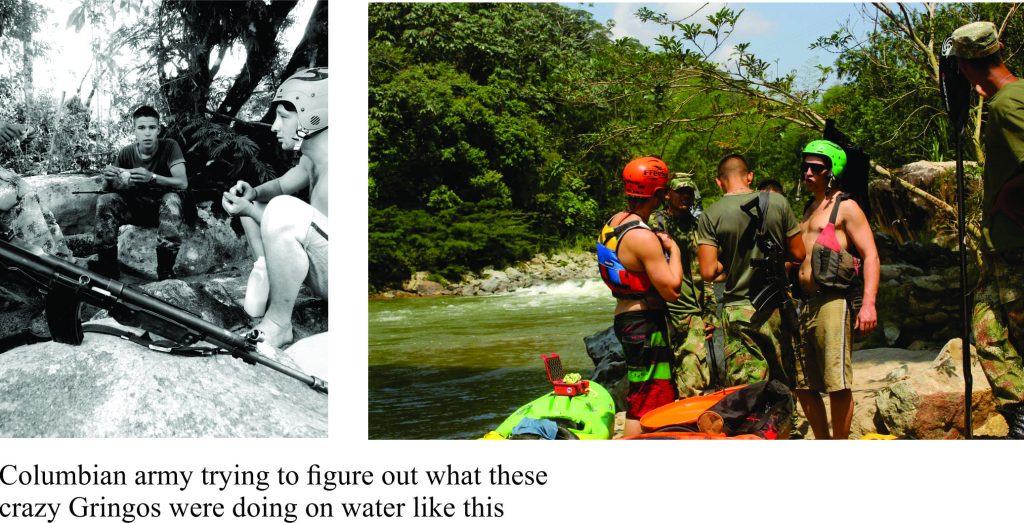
(836, 155)
(307, 91)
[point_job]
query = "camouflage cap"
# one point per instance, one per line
(975, 40)
(678, 181)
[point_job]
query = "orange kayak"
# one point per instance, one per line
(691, 436)
(684, 411)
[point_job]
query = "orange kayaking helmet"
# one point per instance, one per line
(644, 176)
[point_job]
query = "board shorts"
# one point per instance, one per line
(826, 363)
(644, 339)
(315, 245)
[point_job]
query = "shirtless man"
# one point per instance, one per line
(633, 263)
(825, 319)
(287, 234)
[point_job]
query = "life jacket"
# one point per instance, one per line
(624, 283)
(833, 267)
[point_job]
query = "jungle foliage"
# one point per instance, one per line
(534, 109)
(168, 54)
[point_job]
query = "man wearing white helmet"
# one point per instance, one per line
(288, 236)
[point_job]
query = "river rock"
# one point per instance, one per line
(422, 285)
(492, 274)
(929, 403)
(109, 387)
(490, 285)
(76, 213)
(932, 283)
(210, 246)
(33, 227)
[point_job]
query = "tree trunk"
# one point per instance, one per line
(260, 50)
(312, 49)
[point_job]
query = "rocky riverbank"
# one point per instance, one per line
(541, 269)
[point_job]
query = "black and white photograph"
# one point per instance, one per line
(163, 177)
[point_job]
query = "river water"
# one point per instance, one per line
(456, 367)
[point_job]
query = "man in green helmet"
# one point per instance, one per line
(726, 245)
(692, 315)
(832, 227)
(999, 299)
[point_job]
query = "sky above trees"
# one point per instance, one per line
(776, 31)
(63, 67)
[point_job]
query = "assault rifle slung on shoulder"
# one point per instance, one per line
(67, 287)
(776, 291)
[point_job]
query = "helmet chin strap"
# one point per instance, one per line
(302, 134)
(831, 181)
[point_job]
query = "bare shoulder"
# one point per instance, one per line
(306, 164)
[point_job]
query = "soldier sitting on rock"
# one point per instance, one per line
(146, 184)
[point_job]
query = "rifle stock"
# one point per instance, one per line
(67, 286)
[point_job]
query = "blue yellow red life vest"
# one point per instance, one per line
(624, 283)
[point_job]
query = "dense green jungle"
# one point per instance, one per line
(497, 131)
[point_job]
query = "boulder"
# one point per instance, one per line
(218, 300)
(28, 221)
(420, 284)
(76, 213)
(491, 285)
(908, 217)
(109, 387)
(33, 227)
(929, 402)
(210, 246)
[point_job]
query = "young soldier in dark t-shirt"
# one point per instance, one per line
(146, 181)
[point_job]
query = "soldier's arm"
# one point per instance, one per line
(177, 180)
(710, 267)
(855, 223)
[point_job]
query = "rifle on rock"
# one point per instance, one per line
(67, 287)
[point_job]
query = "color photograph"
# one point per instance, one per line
(695, 221)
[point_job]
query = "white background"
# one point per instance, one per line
(588, 481)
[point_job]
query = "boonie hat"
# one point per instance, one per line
(975, 40)
(683, 180)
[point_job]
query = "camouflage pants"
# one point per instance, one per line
(689, 356)
(999, 326)
(751, 351)
(114, 210)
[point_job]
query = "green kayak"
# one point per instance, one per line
(588, 416)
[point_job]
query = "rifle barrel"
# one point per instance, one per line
(57, 269)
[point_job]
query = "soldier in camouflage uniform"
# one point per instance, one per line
(999, 299)
(725, 234)
(693, 314)
(146, 184)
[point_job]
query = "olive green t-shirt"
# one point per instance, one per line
(727, 226)
(1004, 156)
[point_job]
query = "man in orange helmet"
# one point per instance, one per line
(643, 271)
